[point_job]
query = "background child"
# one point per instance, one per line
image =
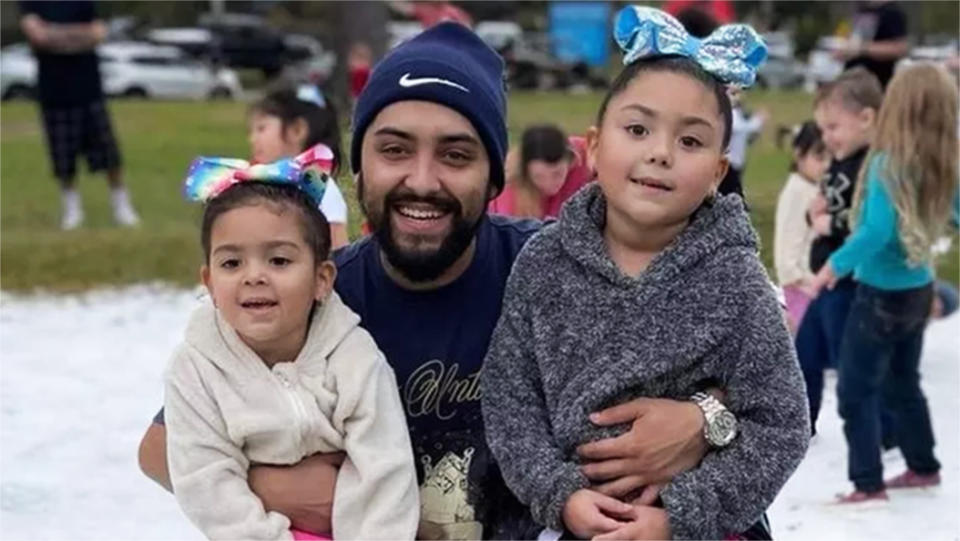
(846, 112)
(901, 208)
(792, 236)
(548, 168)
(744, 129)
(277, 368)
(359, 66)
(288, 121)
(668, 277)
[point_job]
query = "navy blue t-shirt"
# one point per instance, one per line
(65, 80)
(436, 341)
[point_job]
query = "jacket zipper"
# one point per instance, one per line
(301, 416)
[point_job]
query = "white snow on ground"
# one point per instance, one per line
(80, 378)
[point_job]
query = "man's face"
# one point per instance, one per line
(424, 185)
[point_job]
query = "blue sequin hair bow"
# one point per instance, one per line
(732, 53)
(309, 172)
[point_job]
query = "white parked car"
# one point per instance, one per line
(18, 72)
(822, 67)
(401, 31)
(136, 69)
(132, 69)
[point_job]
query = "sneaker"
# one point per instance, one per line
(123, 212)
(912, 479)
(858, 496)
(72, 210)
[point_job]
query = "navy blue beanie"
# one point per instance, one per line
(448, 65)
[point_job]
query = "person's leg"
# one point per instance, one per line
(61, 126)
(838, 301)
(102, 153)
(812, 353)
(888, 423)
(864, 357)
(902, 391)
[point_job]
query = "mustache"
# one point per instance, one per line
(438, 200)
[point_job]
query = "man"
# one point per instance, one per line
(64, 36)
(428, 149)
(878, 39)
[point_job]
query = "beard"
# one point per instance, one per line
(420, 264)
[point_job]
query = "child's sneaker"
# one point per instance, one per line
(912, 479)
(123, 212)
(72, 210)
(860, 497)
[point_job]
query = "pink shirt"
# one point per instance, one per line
(578, 175)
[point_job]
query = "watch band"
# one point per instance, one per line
(709, 404)
(715, 415)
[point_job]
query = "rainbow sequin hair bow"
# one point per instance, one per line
(310, 171)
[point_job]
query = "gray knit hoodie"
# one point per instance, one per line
(577, 335)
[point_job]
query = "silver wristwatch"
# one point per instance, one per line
(720, 426)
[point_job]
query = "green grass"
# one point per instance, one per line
(159, 139)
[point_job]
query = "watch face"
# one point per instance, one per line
(722, 429)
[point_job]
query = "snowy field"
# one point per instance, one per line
(80, 378)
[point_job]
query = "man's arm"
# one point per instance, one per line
(665, 438)
(153, 455)
(887, 50)
(303, 492)
(62, 38)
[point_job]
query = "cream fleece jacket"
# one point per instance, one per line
(226, 410)
(792, 236)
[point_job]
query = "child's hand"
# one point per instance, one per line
(821, 224)
(648, 495)
(806, 286)
(818, 206)
(645, 523)
(588, 513)
(825, 278)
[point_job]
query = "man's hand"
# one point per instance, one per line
(849, 49)
(645, 523)
(303, 492)
(587, 513)
(35, 30)
(666, 438)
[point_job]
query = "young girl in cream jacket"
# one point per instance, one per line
(276, 368)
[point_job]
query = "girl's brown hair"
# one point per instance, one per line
(543, 142)
(917, 134)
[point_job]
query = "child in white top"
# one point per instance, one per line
(793, 235)
(288, 121)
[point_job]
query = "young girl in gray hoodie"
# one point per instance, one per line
(654, 289)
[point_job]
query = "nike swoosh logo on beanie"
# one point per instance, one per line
(407, 82)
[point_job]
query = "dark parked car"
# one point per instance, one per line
(236, 40)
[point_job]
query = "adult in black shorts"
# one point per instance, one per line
(64, 36)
